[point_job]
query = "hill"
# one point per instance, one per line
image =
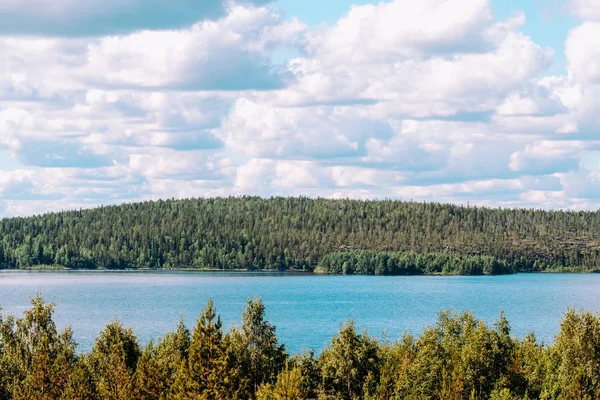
(340, 236)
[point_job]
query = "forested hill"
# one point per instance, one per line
(341, 236)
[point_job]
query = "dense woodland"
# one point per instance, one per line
(342, 236)
(458, 358)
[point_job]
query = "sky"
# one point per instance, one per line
(481, 102)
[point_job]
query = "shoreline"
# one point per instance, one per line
(317, 272)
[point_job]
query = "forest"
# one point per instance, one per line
(323, 235)
(460, 357)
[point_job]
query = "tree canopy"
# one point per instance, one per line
(340, 236)
(460, 357)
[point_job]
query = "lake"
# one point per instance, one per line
(306, 309)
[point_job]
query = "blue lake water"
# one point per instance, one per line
(306, 309)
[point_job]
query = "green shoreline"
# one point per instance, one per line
(317, 271)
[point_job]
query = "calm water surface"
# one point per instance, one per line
(306, 309)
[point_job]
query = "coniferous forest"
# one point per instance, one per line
(336, 236)
(460, 357)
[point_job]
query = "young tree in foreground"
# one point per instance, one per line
(256, 347)
(289, 386)
(351, 365)
(113, 360)
(206, 373)
(35, 360)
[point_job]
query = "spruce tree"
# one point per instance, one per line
(37, 360)
(113, 360)
(256, 346)
(206, 374)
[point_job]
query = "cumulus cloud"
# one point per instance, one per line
(91, 17)
(260, 130)
(434, 100)
(15, 184)
(388, 31)
(162, 119)
(549, 156)
(10, 121)
(583, 52)
(166, 163)
(229, 54)
(39, 69)
(430, 58)
(586, 9)
(534, 99)
(293, 177)
(582, 184)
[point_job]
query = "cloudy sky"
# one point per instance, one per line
(467, 101)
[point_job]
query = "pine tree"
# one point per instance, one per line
(113, 360)
(81, 385)
(36, 360)
(256, 347)
(351, 365)
(206, 373)
(149, 380)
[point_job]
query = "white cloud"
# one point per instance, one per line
(182, 165)
(586, 9)
(353, 177)
(40, 69)
(389, 31)
(91, 17)
(532, 100)
(431, 100)
(583, 184)
(228, 54)
(15, 184)
(259, 130)
(255, 176)
(549, 156)
(586, 113)
(10, 121)
(583, 52)
(231, 53)
(179, 120)
(430, 58)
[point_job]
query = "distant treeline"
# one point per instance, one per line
(460, 357)
(411, 263)
(386, 237)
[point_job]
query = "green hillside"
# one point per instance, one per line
(340, 236)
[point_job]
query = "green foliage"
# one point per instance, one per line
(207, 372)
(82, 385)
(575, 358)
(350, 367)
(151, 380)
(310, 370)
(460, 357)
(113, 361)
(289, 386)
(256, 349)
(343, 236)
(411, 263)
(159, 365)
(35, 359)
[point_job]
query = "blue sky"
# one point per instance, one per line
(466, 101)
